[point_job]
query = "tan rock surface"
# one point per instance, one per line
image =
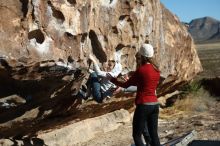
(85, 130)
(43, 30)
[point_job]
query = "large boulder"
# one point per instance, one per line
(45, 46)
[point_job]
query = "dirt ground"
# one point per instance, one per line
(172, 123)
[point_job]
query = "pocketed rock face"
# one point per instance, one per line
(43, 42)
(52, 30)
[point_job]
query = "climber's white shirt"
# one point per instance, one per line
(105, 83)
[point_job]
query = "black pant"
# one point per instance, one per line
(145, 121)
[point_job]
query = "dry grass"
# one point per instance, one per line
(206, 46)
(199, 101)
(170, 113)
(194, 102)
(209, 55)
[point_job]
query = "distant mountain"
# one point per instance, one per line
(204, 29)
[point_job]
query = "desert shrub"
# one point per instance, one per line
(193, 97)
(192, 87)
(196, 100)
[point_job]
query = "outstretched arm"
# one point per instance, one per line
(96, 66)
(132, 81)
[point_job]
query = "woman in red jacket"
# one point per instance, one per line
(146, 78)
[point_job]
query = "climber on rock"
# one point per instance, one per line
(98, 83)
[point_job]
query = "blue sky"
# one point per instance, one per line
(187, 10)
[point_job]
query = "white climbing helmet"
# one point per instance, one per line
(147, 50)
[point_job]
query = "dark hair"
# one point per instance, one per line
(149, 60)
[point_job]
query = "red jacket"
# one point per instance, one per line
(146, 78)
